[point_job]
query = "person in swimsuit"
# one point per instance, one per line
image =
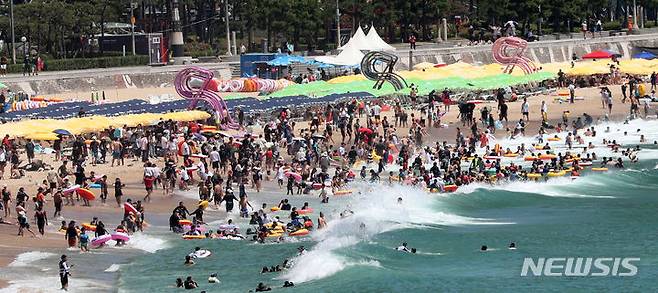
(41, 219)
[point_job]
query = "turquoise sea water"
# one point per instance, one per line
(599, 215)
(611, 214)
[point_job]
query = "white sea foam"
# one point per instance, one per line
(147, 242)
(113, 268)
(28, 258)
(51, 284)
(375, 211)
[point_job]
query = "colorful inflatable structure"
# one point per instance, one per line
(183, 83)
(509, 51)
(248, 85)
(378, 66)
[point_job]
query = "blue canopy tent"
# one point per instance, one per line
(644, 55)
(286, 60)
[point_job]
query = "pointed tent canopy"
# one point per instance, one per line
(350, 56)
(375, 41)
(358, 40)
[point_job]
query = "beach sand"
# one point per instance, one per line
(159, 209)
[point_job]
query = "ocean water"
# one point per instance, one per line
(609, 214)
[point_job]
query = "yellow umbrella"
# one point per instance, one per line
(423, 65)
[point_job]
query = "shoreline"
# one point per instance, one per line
(159, 208)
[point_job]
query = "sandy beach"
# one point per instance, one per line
(158, 210)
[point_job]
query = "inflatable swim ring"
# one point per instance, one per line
(86, 194)
(553, 139)
(185, 222)
(556, 174)
(547, 157)
(129, 208)
(300, 232)
(121, 236)
(275, 209)
(450, 188)
(511, 155)
(492, 157)
(305, 211)
(534, 175)
(600, 169)
(343, 192)
(71, 189)
(529, 158)
(191, 237)
(201, 253)
(89, 227)
(100, 240)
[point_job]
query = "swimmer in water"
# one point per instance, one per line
(213, 279)
(512, 245)
(399, 200)
(403, 248)
(189, 261)
(483, 248)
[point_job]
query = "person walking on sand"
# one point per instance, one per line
(64, 272)
(525, 109)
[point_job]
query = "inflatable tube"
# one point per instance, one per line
(71, 189)
(275, 234)
(89, 227)
(300, 232)
(201, 253)
(204, 204)
(512, 155)
(317, 186)
(192, 237)
(530, 158)
(193, 168)
(547, 157)
(100, 240)
(227, 227)
(185, 222)
(86, 194)
(275, 209)
(553, 139)
(603, 169)
(129, 208)
(492, 157)
(95, 186)
(305, 211)
(556, 174)
(450, 188)
(121, 236)
(198, 156)
(343, 192)
(534, 175)
(584, 164)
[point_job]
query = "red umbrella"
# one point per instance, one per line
(600, 54)
(294, 175)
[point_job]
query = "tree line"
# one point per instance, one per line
(67, 28)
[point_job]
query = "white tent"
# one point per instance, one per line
(376, 43)
(350, 56)
(358, 40)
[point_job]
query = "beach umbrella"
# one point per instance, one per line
(61, 132)
(600, 54)
(644, 55)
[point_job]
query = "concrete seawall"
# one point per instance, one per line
(540, 52)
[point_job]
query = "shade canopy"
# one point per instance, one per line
(644, 55)
(600, 54)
